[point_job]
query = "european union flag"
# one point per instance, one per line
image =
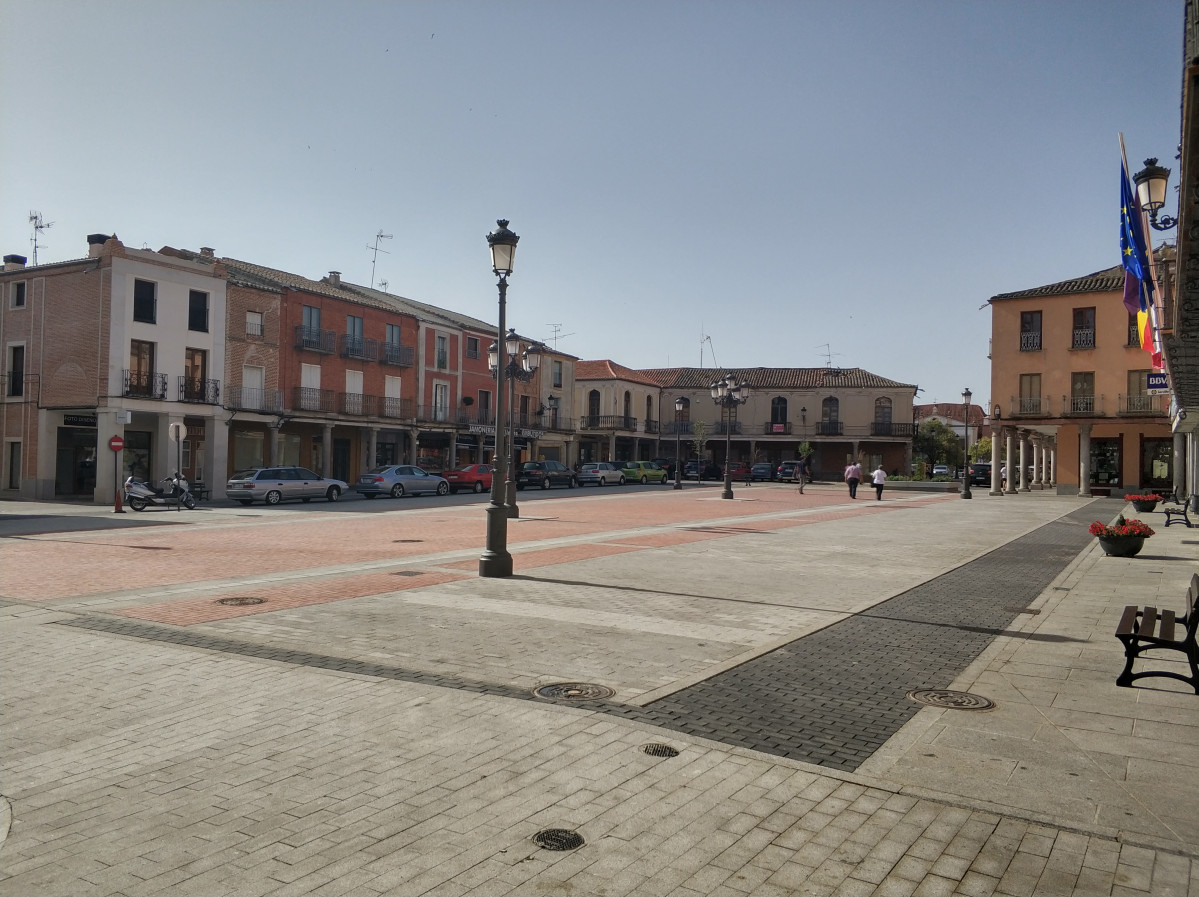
(1137, 282)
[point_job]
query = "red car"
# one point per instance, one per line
(739, 470)
(475, 477)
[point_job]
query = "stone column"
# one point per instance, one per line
(414, 438)
(1010, 459)
(1023, 461)
(1051, 461)
(1038, 451)
(1180, 466)
(372, 448)
(996, 435)
(1084, 460)
(327, 451)
(273, 458)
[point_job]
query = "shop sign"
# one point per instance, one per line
(1156, 383)
(79, 420)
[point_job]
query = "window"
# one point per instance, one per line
(16, 370)
(1134, 333)
(17, 295)
(354, 327)
(141, 369)
(557, 372)
(472, 347)
(253, 323)
(1030, 331)
(1138, 398)
(312, 317)
(145, 301)
(253, 383)
(195, 373)
(882, 410)
(830, 409)
(441, 401)
(484, 406)
(1030, 394)
(14, 465)
(1084, 329)
(392, 335)
(1082, 392)
(778, 410)
(443, 352)
(310, 387)
(197, 311)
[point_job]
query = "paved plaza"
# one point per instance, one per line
(327, 699)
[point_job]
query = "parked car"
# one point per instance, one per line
(545, 474)
(711, 470)
(666, 464)
(739, 470)
(980, 473)
(788, 472)
(644, 472)
(275, 484)
(940, 470)
(475, 477)
(400, 479)
(601, 473)
(763, 470)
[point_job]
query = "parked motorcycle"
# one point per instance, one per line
(174, 492)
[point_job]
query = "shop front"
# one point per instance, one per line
(76, 457)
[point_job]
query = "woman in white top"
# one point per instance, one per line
(879, 479)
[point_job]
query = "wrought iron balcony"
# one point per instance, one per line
(776, 428)
(608, 422)
(358, 347)
(889, 428)
(1084, 338)
(307, 398)
(243, 399)
(830, 428)
(1034, 406)
(670, 427)
(1030, 341)
(145, 384)
(401, 356)
(401, 409)
(440, 414)
(316, 340)
(1142, 405)
(651, 426)
(1082, 406)
(1134, 337)
(728, 427)
(199, 390)
(472, 417)
(357, 404)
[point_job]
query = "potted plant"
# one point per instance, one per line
(1122, 539)
(1144, 503)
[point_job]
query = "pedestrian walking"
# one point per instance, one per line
(879, 479)
(805, 471)
(1003, 477)
(853, 476)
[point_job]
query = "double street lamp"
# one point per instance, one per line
(520, 366)
(495, 560)
(728, 394)
(966, 396)
(679, 404)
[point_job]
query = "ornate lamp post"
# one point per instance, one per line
(728, 394)
(679, 405)
(495, 560)
(966, 396)
(1151, 192)
(521, 368)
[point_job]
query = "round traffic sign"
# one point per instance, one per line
(116, 443)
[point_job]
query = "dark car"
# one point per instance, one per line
(739, 470)
(980, 473)
(711, 470)
(762, 471)
(666, 464)
(788, 472)
(543, 474)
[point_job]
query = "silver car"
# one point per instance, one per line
(400, 479)
(601, 473)
(275, 484)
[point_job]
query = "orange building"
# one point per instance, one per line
(1069, 394)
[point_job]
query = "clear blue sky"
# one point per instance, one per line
(779, 176)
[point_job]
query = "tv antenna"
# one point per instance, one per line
(383, 285)
(557, 328)
(704, 338)
(39, 224)
(379, 236)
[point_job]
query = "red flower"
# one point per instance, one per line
(1121, 528)
(1150, 497)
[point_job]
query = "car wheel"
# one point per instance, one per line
(397, 491)
(333, 494)
(621, 481)
(477, 488)
(545, 484)
(443, 488)
(139, 504)
(274, 497)
(241, 501)
(644, 479)
(602, 482)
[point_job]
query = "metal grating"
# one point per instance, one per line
(241, 601)
(947, 699)
(574, 691)
(659, 750)
(558, 839)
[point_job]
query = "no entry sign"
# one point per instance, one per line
(116, 443)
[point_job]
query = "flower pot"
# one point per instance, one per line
(1144, 506)
(1122, 546)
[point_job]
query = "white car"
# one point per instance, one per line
(940, 470)
(275, 484)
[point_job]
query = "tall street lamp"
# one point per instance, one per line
(728, 394)
(520, 366)
(966, 396)
(679, 404)
(495, 560)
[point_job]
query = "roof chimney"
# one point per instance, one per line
(95, 244)
(14, 262)
(334, 278)
(207, 253)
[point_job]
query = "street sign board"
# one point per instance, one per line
(1156, 383)
(116, 443)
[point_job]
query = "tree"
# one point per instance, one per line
(981, 450)
(938, 444)
(804, 449)
(699, 432)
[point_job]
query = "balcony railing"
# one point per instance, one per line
(889, 428)
(199, 390)
(358, 347)
(608, 422)
(776, 428)
(357, 404)
(670, 427)
(830, 428)
(1083, 339)
(727, 427)
(316, 340)
(471, 417)
(1086, 406)
(402, 409)
(307, 398)
(1030, 341)
(440, 414)
(145, 384)
(1142, 405)
(1134, 337)
(243, 399)
(1032, 405)
(401, 356)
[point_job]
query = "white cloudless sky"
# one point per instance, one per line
(801, 182)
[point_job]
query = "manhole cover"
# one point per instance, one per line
(1021, 610)
(241, 602)
(558, 839)
(950, 700)
(409, 573)
(659, 750)
(574, 691)
(404, 541)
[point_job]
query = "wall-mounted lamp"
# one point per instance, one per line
(1151, 192)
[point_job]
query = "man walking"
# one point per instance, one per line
(853, 476)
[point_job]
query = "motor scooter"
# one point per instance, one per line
(174, 492)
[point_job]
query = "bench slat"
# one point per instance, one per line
(1148, 623)
(1128, 620)
(1166, 633)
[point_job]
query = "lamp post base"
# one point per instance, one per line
(495, 560)
(510, 506)
(727, 492)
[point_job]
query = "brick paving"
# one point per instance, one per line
(387, 742)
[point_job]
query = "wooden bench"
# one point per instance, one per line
(200, 492)
(1139, 631)
(1175, 507)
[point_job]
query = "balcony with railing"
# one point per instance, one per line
(307, 398)
(400, 356)
(776, 428)
(438, 414)
(145, 384)
(397, 408)
(193, 389)
(608, 422)
(358, 347)
(1134, 337)
(314, 339)
(242, 399)
(830, 428)
(671, 427)
(890, 428)
(727, 428)
(1142, 405)
(1082, 406)
(356, 404)
(1084, 338)
(473, 417)
(1030, 341)
(1029, 406)
(651, 426)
